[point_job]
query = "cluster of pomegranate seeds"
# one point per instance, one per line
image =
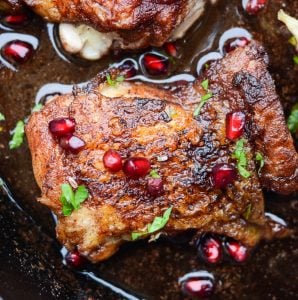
(62, 127)
(198, 287)
(223, 175)
(17, 52)
(210, 249)
(72, 143)
(171, 49)
(155, 186)
(237, 251)
(231, 45)
(155, 64)
(252, 7)
(16, 19)
(235, 122)
(136, 167)
(75, 260)
(112, 160)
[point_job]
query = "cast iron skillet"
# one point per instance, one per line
(31, 262)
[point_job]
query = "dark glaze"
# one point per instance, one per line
(150, 270)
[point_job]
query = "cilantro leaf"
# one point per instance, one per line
(293, 119)
(295, 59)
(240, 156)
(71, 200)
(204, 99)
(157, 224)
(18, 135)
(37, 107)
(154, 174)
(113, 82)
(205, 85)
(260, 159)
(2, 117)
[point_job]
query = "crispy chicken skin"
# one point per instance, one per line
(139, 23)
(137, 119)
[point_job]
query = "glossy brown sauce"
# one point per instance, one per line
(152, 270)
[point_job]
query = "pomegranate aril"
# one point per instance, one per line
(129, 69)
(235, 122)
(252, 7)
(231, 45)
(198, 287)
(237, 251)
(155, 64)
(223, 175)
(171, 49)
(155, 186)
(112, 160)
(62, 127)
(17, 51)
(75, 260)
(136, 167)
(210, 249)
(72, 144)
(17, 19)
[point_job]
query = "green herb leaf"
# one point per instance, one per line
(293, 41)
(113, 82)
(18, 135)
(295, 59)
(293, 119)
(37, 107)
(204, 99)
(248, 211)
(154, 174)
(205, 84)
(2, 117)
(157, 224)
(81, 195)
(71, 201)
(260, 159)
(240, 155)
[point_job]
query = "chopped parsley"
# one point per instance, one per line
(17, 135)
(260, 160)
(114, 81)
(293, 119)
(157, 224)
(154, 174)
(2, 117)
(295, 59)
(240, 155)
(37, 107)
(204, 99)
(72, 200)
(205, 85)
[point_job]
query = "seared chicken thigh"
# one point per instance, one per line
(185, 149)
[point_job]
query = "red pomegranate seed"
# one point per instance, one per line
(171, 49)
(136, 167)
(62, 127)
(252, 7)
(155, 186)
(231, 45)
(17, 51)
(112, 160)
(155, 64)
(198, 287)
(237, 251)
(210, 249)
(74, 259)
(129, 69)
(16, 20)
(72, 144)
(235, 122)
(223, 174)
